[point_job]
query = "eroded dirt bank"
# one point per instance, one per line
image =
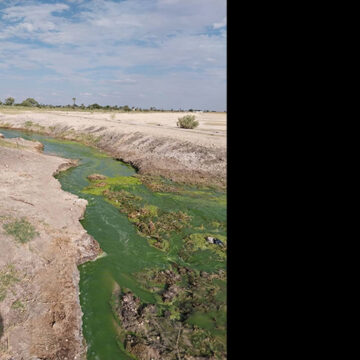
(41, 244)
(149, 141)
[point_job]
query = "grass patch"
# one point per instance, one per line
(5, 125)
(159, 184)
(34, 126)
(21, 230)
(197, 241)
(8, 277)
(11, 145)
(115, 184)
(18, 305)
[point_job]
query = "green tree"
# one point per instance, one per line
(9, 101)
(94, 106)
(30, 102)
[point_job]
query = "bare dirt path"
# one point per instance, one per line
(40, 314)
(150, 141)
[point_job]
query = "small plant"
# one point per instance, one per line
(8, 276)
(21, 230)
(18, 305)
(29, 124)
(187, 122)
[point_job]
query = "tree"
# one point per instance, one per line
(30, 102)
(9, 101)
(94, 106)
(74, 99)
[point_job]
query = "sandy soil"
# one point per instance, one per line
(40, 313)
(150, 141)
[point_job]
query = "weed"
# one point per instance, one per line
(21, 230)
(18, 305)
(28, 123)
(8, 276)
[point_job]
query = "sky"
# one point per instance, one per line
(168, 54)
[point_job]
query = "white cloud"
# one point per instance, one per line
(220, 24)
(123, 47)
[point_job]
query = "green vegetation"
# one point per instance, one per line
(21, 230)
(187, 122)
(8, 277)
(8, 144)
(30, 102)
(28, 124)
(153, 223)
(18, 305)
(159, 184)
(179, 294)
(195, 242)
(9, 101)
(188, 318)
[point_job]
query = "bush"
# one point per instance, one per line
(9, 101)
(30, 102)
(187, 122)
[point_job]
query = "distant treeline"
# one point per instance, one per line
(30, 102)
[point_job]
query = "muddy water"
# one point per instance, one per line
(127, 251)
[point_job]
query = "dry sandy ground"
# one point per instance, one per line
(40, 314)
(150, 141)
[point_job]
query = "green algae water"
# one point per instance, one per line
(128, 253)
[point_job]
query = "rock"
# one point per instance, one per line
(204, 274)
(218, 242)
(93, 177)
(129, 311)
(170, 293)
(210, 240)
(100, 184)
(142, 351)
(2, 136)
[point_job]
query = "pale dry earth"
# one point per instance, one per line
(151, 142)
(40, 316)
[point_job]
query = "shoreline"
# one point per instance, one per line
(151, 144)
(39, 278)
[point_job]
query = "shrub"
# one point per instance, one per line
(9, 101)
(187, 122)
(30, 102)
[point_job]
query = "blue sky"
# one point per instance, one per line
(142, 53)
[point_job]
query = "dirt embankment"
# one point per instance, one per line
(149, 141)
(41, 244)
